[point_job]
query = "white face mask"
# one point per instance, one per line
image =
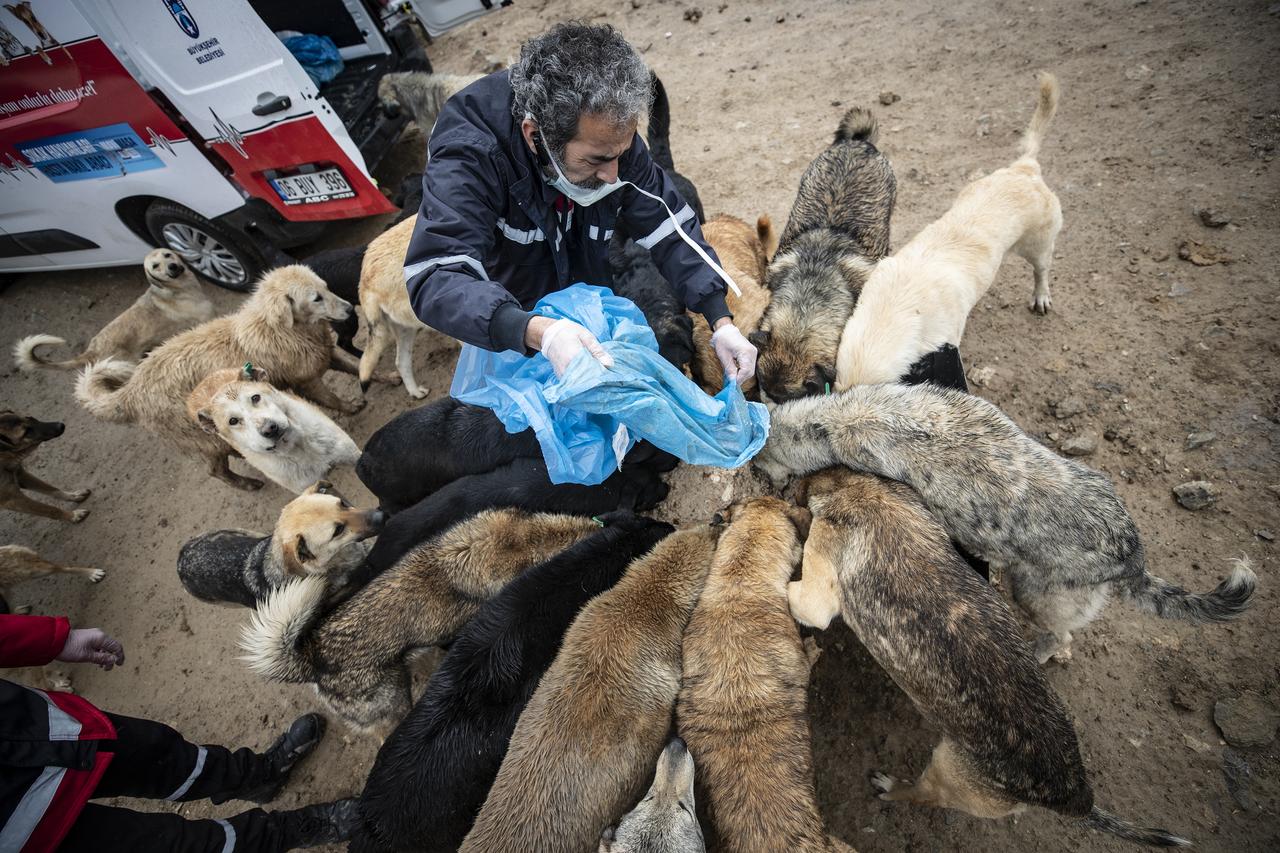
(586, 198)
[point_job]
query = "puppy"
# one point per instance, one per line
(744, 253)
(582, 750)
(664, 821)
(173, 302)
(839, 228)
(19, 438)
(286, 438)
(746, 676)
(317, 533)
(422, 94)
(876, 557)
(356, 653)
(432, 774)
(18, 564)
(918, 300)
(1057, 528)
(523, 484)
(282, 328)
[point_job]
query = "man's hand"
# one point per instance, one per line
(92, 645)
(562, 340)
(735, 352)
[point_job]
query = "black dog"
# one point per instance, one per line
(419, 451)
(432, 775)
(521, 483)
(340, 269)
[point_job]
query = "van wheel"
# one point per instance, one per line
(217, 253)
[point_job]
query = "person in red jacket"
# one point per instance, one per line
(58, 752)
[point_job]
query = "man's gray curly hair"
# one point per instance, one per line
(575, 68)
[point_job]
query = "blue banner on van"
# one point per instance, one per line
(100, 152)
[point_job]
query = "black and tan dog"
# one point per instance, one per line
(838, 229)
(356, 654)
(19, 438)
(432, 774)
(878, 558)
(585, 745)
(317, 533)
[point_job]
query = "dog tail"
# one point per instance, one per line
(275, 640)
(24, 353)
(1170, 601)
(100, 387)
(1045, 108)
(768, 236)
(659, 132)
(1121, 828)
(857, 124)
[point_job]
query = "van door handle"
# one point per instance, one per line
(275, 104)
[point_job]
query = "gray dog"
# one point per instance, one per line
(1058, 528)
(838, 229)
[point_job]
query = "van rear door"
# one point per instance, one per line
(440, 16)
(229, 76)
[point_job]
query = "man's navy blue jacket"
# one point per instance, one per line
(492, 237)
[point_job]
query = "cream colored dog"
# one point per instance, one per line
(919, 298)
(288, 439)
(173, 302)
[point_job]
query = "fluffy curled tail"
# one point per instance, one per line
(1121, 828)
(1045, 108)
(1169, 601)
(768, 236)
(100, 389)
(857, 124)
(24, 353)
(275, 640)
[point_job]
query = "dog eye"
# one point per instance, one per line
(339, 529)
(316, 298)
(255, 399)
(233, 421)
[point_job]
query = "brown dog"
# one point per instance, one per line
(18, 564)
(744, 253)
(19, 438)
(878, 558)
(283, 328)
(585, 746)
(742, 708)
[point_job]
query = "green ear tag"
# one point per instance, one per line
(247, 370)
(597, 520)
(828, 387)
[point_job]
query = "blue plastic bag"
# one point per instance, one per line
(587, 420)
(317, 55)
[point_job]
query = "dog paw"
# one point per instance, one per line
(387, 378)
(247, 484)
(60, 681)
(418, 393)
(80, 495)
(883, 782)
(96, 575)
(79, 516)
(1040, 304)
(1062, 656)
(20, 610)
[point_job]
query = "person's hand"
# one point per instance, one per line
(92, 645)
(736, 353)
(564, 339)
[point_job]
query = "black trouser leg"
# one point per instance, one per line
(155, 762)
(105, 829)
(943, 368)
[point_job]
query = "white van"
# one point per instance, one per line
(128, 124)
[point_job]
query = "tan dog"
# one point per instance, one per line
(744, 253)
(422, 94)
(288, 439)
(877, 557)
(742, 707)
(18, 564)
(173, 302)
(22, 11)
(584, 747)
(356, 654)
(19, 438)
(919, 298)
(282, 328)
(386, 306)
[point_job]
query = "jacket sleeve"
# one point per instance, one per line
(698, 285)
(444, 266)
(31, 640)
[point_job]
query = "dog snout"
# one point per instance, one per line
(270, 429)
(174, 270)
(343, 310)
(377, 519)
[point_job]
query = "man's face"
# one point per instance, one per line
(591, 157)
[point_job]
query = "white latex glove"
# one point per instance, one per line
(564, 339)
(736, 353)
(92, 645)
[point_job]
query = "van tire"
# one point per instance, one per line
(216, 253)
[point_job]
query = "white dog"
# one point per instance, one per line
(288, 439)
(918, 299)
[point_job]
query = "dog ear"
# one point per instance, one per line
(323, 487)
(280, 303)
(759, 339)
(297, 555)
(802, 519)
(856, 270)
(205, 420)
(251, 373)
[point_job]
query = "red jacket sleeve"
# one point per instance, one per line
(31, 640)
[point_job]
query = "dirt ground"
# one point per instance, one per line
(1166, 107)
